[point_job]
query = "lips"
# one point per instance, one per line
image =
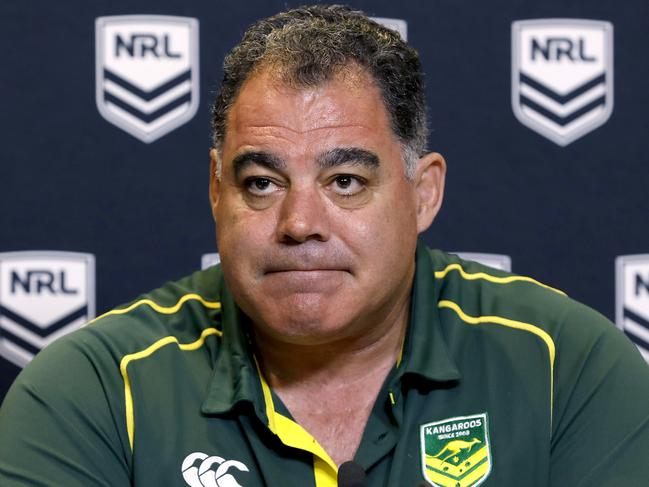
(302, 269)
(303, 260)
(297, 271)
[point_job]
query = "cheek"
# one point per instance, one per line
(393, 228)
(244, 236)
(403, 208)
(381, 238)
(394, 216)
(234, 215)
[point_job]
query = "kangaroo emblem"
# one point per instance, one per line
(454, 447)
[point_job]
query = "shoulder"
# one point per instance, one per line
(505, 307)
(181, 309)
(76, 392)
(483, 294)
(179, 312)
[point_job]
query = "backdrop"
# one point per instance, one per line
(540, 109)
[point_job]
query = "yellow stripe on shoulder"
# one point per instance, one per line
(520, 325)
(166, 310)
(127, 359)
(488, 277)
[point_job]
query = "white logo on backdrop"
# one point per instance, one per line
(562, 76)
(147, 72)
(398, 25)
(43, 296)
(497, 261)
(632, 299)
(208, 260)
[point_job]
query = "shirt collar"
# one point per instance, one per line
(425, 352)
(235, 378)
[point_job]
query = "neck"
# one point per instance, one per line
(330, 386)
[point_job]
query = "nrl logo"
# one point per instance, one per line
(632, 300)
(455, 452)
(562, 76)
(43, 296)
(147, 72)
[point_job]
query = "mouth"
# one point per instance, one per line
(305, 265)
(305, 275)
(307, 260)
(304, 270)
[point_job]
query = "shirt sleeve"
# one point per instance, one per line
(60, 423)
(601, 409)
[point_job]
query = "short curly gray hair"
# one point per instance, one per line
(310, 45)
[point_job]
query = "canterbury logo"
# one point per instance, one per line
(201, 470)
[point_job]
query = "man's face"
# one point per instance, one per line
(316, 221)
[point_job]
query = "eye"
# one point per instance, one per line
(260, 186)
(347, 185)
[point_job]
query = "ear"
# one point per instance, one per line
(215, 182)
(429, 188)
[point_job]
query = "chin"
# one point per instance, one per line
(306, 328)
(301, 318)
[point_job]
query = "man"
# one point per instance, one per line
(329, 333)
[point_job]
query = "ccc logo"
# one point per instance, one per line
(201, 470)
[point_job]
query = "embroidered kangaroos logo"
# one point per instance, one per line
(455, 447)
(455, 452)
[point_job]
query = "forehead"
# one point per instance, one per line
(347, 109)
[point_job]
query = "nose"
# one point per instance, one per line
(303, 216)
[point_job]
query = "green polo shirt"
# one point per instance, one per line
(502, 381)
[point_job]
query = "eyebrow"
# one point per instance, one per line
(259, 158)
(331, 158)
(348, 155)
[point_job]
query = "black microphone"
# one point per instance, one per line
(351, 474)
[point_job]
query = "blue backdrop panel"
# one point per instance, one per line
(72, 181)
